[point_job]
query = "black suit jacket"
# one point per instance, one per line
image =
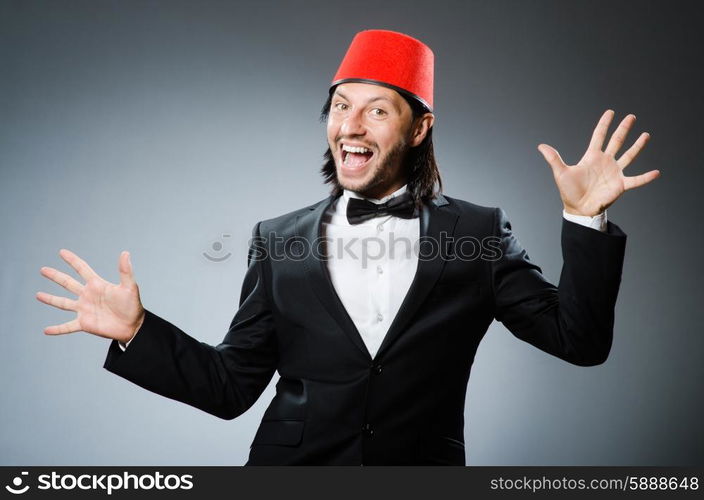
(334, 404)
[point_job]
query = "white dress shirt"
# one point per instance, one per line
(369, 278)
(372, 264)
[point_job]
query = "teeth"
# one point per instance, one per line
(355, 149)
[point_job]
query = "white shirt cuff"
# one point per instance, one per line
(124, 346)
(597, 222)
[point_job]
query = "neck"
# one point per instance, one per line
(379, 192)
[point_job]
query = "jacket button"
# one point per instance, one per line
(367, 430)
(376, 369)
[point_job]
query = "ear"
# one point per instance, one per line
(420, 127)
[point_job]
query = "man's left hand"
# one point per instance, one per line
(593, 184)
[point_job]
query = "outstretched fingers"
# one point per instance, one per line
(630, 155)
(81, 266)
(69, 327)
(62, 279)
(125, 266)
(619, 135)
(602, 128)
(553, 158)
(640, 180)
(61, 302)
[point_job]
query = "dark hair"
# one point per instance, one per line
(421, 168)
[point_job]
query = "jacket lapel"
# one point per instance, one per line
(309, 228)
(435, 219)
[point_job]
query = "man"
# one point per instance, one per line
(374, 359)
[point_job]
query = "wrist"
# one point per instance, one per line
(581, 212)
(137, 326)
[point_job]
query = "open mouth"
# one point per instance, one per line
(355, 157)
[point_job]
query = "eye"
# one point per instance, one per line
(378, 112)
(340, 106)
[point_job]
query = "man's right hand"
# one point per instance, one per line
(102, 308)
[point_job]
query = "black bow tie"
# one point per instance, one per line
(400, 206)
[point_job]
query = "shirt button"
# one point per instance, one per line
(379, 269)
(379, 317)
(367, 430)
(380, 227)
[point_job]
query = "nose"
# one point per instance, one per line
(352, 124)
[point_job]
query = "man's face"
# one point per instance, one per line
(369, 131)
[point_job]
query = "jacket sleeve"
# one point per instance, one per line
(573, 321)
(223, 380)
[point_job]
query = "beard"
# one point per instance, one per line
(384, 172)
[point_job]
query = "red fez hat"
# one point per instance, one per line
(390, 59)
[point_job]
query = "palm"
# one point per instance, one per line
(102, 308)
(593, 184)
(106, 309)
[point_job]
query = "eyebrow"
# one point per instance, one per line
(373, 99)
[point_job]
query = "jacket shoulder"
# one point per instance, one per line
(474, 219)
(288, 220)
(463, 207)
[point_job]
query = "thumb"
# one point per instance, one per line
(553, 158)
(126, 273)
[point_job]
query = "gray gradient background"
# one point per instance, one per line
(158, 126)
